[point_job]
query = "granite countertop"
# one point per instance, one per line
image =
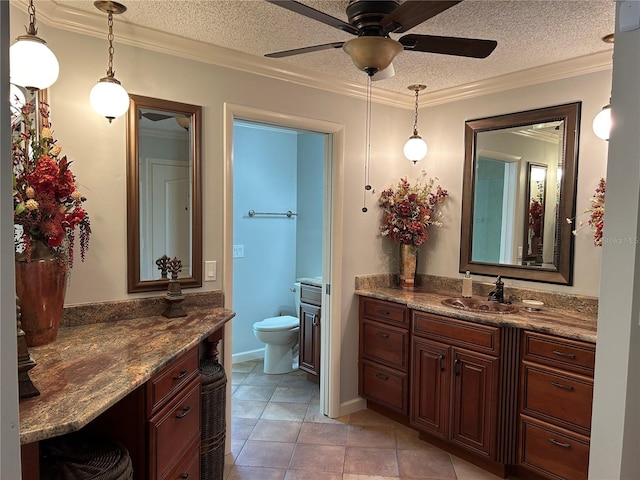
(556, 321)
(315, 281)
(89, 368)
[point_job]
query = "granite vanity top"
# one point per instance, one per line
(564, 323)
(315, 281)
(89, 368)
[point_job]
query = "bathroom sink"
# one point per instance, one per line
(478, 305)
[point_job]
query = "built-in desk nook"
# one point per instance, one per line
(136, 381)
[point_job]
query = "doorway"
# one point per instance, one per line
(331, 245)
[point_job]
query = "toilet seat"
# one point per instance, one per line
(277, 324)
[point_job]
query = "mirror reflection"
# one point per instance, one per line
(164, 198)
(519, 184)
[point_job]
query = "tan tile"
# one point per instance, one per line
(408, 439)
(371, 461)
(429, 463)
(238, 377)
(375, 436)
(308, 475)
(276, 431)
(292, 394)
(265, 454)
(253, 392)
(243, 367)
(323, 434)
(262, 380)
(294, 412)
(368, 417)
(247, 408)
(349, 476)
(318, 458)
(315, 415)
(236, 448)
(255, 473)
(241, 428)
(467, 471)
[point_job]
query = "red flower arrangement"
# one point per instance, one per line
(535, 217)
(596, 213)
(409, 210)
(47, 204)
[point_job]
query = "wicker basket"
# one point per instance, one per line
(80, 456)
(213, 426)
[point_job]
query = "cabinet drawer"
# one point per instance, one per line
(189, 466)
(385, 344)
(171, 379)
(553, 452)
(559, 352)
(557, 397)
(310, 294)
(174, 429)
(474, 336)
(385, 386)
(382, 311)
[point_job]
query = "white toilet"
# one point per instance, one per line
(280, 335)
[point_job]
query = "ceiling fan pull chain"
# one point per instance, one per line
(367, 155)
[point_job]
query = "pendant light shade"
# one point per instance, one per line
(108, 97)
(32, 64)
(415, 149)
(372, 54)
(602, 123)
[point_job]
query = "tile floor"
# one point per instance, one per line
(277, 433)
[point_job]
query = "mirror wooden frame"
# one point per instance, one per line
(570, 114)
(194, 112)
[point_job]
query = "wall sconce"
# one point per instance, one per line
(108, 97)
(602, 122)
(415, 149)
(32, 64)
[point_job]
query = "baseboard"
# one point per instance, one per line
(352, 406)
(247, 356)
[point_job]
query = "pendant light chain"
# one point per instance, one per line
(31, 29)
(367, 147)
(415, 115)
(110, 72)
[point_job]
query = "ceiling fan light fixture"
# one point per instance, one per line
(32, 64)
(415, 149)
(108, 97)
(372, 54)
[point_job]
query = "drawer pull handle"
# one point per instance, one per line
(185, 476)
(380, 376)
(441, 358)
(456, 362)
(382, 335)
(559, 385)
(182, 374)
(384, 312)
(560, 444)
(185, 411)
(565, 355)
(314, 322)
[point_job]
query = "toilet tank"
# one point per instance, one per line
(296, 298)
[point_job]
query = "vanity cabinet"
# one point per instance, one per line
(556, 391)
(384, 354)
(310, 310)
(454, 381)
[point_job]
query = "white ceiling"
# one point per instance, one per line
(530, 33)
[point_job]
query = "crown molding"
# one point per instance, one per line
(70, 19)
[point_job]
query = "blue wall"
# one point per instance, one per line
(275, 170)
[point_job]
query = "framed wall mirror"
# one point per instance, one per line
(520, 175)
(164, 203)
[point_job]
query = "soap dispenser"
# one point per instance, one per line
(467, 285)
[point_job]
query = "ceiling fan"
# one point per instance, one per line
(371, 21)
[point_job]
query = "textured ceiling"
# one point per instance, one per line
(530, 33)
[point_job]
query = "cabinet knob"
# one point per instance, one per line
(185, 476)
(314, 322)
(185, 411)
(441, 358)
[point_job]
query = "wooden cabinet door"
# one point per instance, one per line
(310, 339)
(430, 379)
(474, 401)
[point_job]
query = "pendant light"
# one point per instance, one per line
(108, 97)
(415, 149)
(602, 121)
(32, 64)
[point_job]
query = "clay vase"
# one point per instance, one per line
(41, 286)
(408, 263)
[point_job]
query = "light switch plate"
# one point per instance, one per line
(210, 271)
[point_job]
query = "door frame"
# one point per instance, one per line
(331, 241)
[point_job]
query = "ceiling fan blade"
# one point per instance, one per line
(412, 13)
(154, 117)
(384, 74)
(298, 51)
(462, 47)
(317, 15)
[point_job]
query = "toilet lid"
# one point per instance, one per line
(285, 322)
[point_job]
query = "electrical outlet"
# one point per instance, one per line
(238, 251)
(210, 271)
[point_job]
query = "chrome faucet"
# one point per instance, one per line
(497, 295)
